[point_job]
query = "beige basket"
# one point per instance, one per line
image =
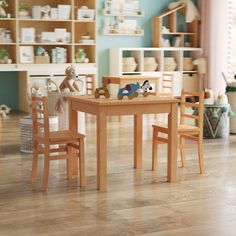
(129, 67)
(61, 99)
(170, 67)
(232, 102)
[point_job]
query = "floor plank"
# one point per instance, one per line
(138, 202)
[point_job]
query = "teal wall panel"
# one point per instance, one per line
(9, 89)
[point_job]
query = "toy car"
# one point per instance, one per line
(133, 90)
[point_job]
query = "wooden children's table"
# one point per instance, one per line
(102, 108)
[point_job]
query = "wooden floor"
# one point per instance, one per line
(136, 203)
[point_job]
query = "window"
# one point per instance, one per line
(231, 38)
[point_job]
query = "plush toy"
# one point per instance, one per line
(3, 4)
(69, 84)
(4, 110)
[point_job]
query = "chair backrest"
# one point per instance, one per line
(189, 109)
(167, 88)
(40, 116)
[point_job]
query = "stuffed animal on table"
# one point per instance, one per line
(103, 90)
(4, 110)
(69, 84)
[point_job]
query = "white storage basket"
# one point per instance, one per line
(26, 135)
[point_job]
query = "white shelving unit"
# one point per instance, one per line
(120, 13)
(190, 80)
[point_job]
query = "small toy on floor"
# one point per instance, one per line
(4, 110)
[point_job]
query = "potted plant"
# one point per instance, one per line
(24, 10)
(4, 55)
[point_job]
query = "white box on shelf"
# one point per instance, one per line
(48, 37)
(54, 13)
(60, 34)
(28, 35)
(64, 12)
(36, 12)
(85, 14)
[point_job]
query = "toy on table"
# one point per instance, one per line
(69, 83)
(103, 90)
(133, 90)
(4, 110)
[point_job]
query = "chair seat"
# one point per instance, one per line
(181, 128)
(64, 136)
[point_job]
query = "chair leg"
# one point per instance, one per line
(45, 173)
(34, 162)
(182, 151)
(81, 162)
(69, 162)
(154, 149)
(200, 156)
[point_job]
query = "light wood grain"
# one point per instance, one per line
(103, 108)
(139, 202)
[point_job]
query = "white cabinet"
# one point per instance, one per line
(169, 60)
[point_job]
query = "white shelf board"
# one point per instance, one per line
(44, 20)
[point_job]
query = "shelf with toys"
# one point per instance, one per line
(44, 37)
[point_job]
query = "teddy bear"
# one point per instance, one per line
(69, 84)
(4, 110)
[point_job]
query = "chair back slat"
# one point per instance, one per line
(167, 85)
(40, 116)
(197, 108)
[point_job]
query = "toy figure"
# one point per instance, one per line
(3, 4)
(69, 83)
(4, 110)
(133, 90)
(103, 90)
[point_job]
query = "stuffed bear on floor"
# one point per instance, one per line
(4, 110)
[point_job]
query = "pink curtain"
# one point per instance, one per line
(214, 41)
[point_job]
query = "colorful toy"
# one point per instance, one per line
(103, 90)
(133, 90)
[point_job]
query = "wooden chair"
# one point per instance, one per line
(167, 88)
(62, 144)
(193, 131)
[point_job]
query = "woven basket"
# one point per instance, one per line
(63, 115)
(232, 102)
(26, 136)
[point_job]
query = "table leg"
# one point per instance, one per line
(138, 136)
(102, 152)
(172, 144)
(73, 126)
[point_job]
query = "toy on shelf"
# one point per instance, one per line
(4, 56)
(24, 10)
(69, 83)
(133, 90)
(3, 4)
(4, 110)
(81, 56)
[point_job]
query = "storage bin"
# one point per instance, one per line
(191, 82)
(26, 135)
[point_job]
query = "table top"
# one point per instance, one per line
(114, 101)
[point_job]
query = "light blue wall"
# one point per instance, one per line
(150, 8)
(9, 81)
